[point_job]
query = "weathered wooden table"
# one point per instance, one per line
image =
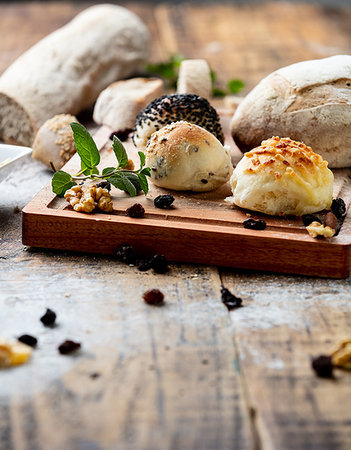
(188, 375)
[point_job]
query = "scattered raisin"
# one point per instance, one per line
(126, 254)
(68, 347)
(230, 300)
(136, 211)
(254, 224)
(163, 201)
(144, 265)
(338, 208)
(28, 340)
(307, 219)
(323, 366)
(331, 221)
(159, 263)
(153, 297)
(122, 135)
(48, 319)
(104, 185)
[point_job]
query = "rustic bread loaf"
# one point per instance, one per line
(308, 101)
(118, 105)
(65, 72)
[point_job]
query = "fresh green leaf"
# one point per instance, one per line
(213, 76)
(121, 181)
(235, 86)
(168, 70)
(108, 170)
(120, 152)
(142, 159)
(61, 182)
(86, 147)
(216, 92)
(146, 171)
(143, 183)
(94, 171)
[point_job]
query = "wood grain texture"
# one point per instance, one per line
(181, 357)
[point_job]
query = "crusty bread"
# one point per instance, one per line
(118, 105)
(282, 177)
(185, 157)
(65, 72)
(308, 101)
(54, 141)
(195, 78)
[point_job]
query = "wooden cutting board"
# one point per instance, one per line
(201, 228)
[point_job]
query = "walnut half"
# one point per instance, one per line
(87, 198)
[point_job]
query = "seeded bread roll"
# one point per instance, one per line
(282, 177)
(118, 105)
(195, 78)
(54, 141)
(309, 101)
(173, 108)
(185, 157)
(65, 72)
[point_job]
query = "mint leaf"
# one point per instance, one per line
(120, 152)
(61, 182)
(142, 159)
(86, 147)
(121, 181)
(146, 171)
(235, 86)
(143, 183)
(108, 170)
(216, 92)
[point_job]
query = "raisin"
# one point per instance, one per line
(331, 221)
(254, 224)
(104, 185)
(122, 135)
(136, 211)
(338, 208)
(163, 201)
(144, 265)
(159, 263)
(323, 366)
(68, 347)
(48, 319)
(230, 300)
(153, 297)
(307, 219)
(126, 254)
(28, 340)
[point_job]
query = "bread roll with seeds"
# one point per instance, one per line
(195, 78)
(173, 108)
(282, 177)
(65, 72)
(185, 157)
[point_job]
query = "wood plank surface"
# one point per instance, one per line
(187, 375)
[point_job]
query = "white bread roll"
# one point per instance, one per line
(195, 78)
(309, 101)
(65, 72)
(185, 157)
(282, 177)
(118, 105)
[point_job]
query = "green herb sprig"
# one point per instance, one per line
(130, 181)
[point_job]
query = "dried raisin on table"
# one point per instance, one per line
(104, 185)
(126, 254)
(28, 340)
(163, 201)
(144, 265)
(254, 224)
(307, 219)
(338, 208)
(159, 263)
(323, 366)
(229, 299)
(153, 297)
(49, 318)
(136, 211)
(68, 347)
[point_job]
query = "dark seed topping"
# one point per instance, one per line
(68, 347)
(126, 254)
(323, 366)
(159, 263)
(253, 224)
(307, 219)
(204, 181)
(48, 319)
(104, 185)
(338, 208)
(163, 201)
(230, 300)
(153, 297)
(136, 211)
(28, 340)
(121, 134)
